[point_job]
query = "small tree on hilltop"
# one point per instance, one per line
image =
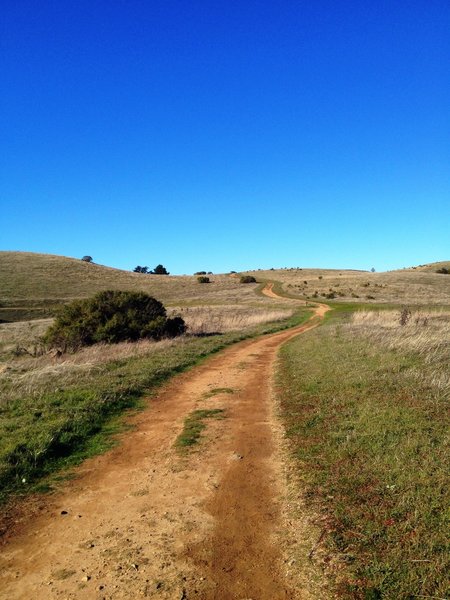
(140, 269)
(88, 259)
(160, 270)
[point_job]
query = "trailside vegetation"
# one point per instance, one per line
(111, 317)
(365, 405)
(247, 279)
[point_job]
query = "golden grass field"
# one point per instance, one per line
(413, 286)
(33, 285)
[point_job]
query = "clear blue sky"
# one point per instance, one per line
(227, 135)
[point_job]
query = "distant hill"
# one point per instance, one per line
(33, 285)
(431, 267)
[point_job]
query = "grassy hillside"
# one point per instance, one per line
(420, 286)
(32, 285)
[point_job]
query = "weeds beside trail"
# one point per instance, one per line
(365, 404)
(55, 412)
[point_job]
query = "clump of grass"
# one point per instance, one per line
(194, 425)
(365, 406)
(217, 391)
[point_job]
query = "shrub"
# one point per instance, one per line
(200, 273)
(87, 259)
(443, 271)
(160, 270)
(203, 279)
(140, 269)
(247, 279)
(111, 316)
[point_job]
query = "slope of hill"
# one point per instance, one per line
(420, 286)
(31, 285)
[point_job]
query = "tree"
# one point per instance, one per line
(87, 259)
(247, 279)
(203, 279)
(140, 269)
(160, 270)
(373, 269)
(111, 316)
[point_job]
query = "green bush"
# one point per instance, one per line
(443, 271)
(247, 279)
(159, 270)
(203, 279)
(111, 316)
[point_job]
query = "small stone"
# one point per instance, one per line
(86, 578)
(135, 566)
(64, 512)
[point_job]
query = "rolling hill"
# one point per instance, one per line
(32, 285)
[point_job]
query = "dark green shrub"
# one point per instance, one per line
(247, 279)
(200, 273)
(111, 316)
(159, 270)
(203, 279)
(443, 271)
(88, 259)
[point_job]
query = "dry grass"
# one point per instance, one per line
(408, 286)
(22, 334)
(22, 373)
(34, 284)
(425, 333)
(220, 319)
(32, 376)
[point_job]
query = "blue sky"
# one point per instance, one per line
(210, 135)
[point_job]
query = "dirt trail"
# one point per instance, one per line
(143, 521)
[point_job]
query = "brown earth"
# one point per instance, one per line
(144, 520)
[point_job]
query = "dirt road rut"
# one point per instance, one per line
(145, 521)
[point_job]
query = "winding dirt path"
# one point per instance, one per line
(144, 521)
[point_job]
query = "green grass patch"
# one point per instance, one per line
(368, 425)
(217, 391)
(194, 425)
